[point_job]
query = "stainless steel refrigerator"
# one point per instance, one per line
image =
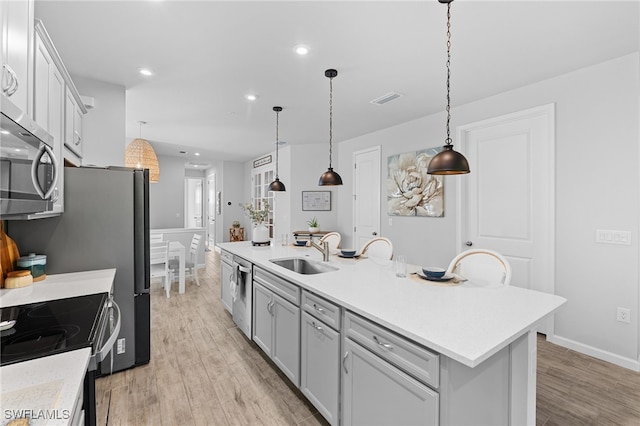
(105, 224)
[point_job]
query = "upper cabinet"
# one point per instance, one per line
(16, 39)
(49, 89)
(74, 111)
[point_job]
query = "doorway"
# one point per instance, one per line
(213, 205)
(193, 205)
(507, 201)
(366, 195)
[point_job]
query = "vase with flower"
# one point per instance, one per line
(258, 216)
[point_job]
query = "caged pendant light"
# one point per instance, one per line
(330, 177)
(140, 155)
(448, 161)
(276, 185)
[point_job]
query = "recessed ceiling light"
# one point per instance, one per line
(196, 153)
(301, 49)
(4, 132)
(251, 97)
(146, 72)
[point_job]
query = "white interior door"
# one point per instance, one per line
(366, 195)
(508, 198)
(211, 210)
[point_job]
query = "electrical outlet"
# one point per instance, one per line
(120, 348)
(624, 315)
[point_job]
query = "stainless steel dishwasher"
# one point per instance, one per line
(242, 294)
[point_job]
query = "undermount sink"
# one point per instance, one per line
(303, 266)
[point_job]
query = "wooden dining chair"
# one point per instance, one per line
(483, 267)
(159, 264)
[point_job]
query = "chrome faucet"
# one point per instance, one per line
(324, 249)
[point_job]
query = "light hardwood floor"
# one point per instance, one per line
(203, 371)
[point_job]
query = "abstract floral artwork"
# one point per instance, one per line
(410, 190)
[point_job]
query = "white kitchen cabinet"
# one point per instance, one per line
(276, 321)
(16, 21)
(74, 112)
(320, 366)
(226, 272)
(48, 102)
(376, 392)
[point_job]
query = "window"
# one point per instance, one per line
(260, 194)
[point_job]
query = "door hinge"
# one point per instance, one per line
(354, 229)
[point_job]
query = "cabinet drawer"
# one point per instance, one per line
(322, 309)
(401, 352)
(280, 286)
(226, 256)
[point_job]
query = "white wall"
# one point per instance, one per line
(597, 187)
(103, 127)
(233, 183)
(166, 197)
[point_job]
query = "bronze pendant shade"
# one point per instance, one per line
(276, 185)
(330, 178)
(448, 161)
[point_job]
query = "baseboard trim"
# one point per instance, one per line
(621, 361)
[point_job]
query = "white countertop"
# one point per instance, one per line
(59, 286)
(466, 323)
(44, 389)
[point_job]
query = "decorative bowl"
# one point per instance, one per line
(301, 243)
(348, 253)
(434, 271)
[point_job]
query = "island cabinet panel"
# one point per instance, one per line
(276, 321)
(262, 320)
(414, 359)
(320, 355)
(376, 392)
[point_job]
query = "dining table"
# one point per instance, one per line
(177, 250)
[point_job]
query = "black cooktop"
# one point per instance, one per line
(51, 327)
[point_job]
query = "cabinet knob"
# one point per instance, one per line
(469, 243)
(374, 233)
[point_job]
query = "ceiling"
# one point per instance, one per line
(207, 55)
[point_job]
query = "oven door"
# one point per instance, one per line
(108, 330)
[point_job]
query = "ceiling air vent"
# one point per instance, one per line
(385, 98)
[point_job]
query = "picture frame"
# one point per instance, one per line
(411, 191)
(316, 200)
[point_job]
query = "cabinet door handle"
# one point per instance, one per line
(13, 84)
(384, 345)
(344, 362)
(78, 138)
(270, 307)
(318, 308)
(317, 327)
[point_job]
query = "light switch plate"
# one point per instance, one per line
(606, 236)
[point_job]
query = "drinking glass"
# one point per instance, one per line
(401, 266)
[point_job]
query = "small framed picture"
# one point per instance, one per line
(316, 200)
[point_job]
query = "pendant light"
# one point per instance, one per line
(330, 177)
(448, 162)
(140, 155)
(276, 185)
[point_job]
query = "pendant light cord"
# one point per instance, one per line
(330, 119)
(448, 140)
(277, 140)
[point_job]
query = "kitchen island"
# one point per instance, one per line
(483, 339)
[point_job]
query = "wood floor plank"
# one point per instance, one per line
(204, 371)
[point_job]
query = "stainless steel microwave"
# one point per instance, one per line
(28, 167)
